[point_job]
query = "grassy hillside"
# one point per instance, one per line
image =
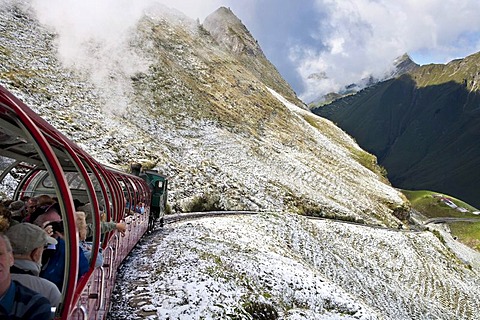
(423, 127)
(431, 205)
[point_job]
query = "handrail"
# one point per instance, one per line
(102, 289)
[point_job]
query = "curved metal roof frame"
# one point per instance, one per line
(43, 137)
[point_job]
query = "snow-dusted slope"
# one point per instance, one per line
(218, 268)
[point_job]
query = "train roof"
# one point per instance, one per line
(14, 143)
(15, 119)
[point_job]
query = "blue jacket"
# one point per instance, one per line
(20, 302)
(55, 267)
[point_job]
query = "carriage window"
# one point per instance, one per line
(8, 183)
(47, 182)
(74, 180)
(5, 162)
(11, 174)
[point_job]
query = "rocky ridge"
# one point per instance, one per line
(198, 115)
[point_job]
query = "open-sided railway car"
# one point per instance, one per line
(36, 159)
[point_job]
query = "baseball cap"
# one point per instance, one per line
(25, 237)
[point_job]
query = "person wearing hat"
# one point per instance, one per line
(54, 267)
(28, 242)
(16, 300)
(17, 208)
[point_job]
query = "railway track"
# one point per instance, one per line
(450, 220)
(169, 219)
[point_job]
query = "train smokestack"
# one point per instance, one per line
(136, 168)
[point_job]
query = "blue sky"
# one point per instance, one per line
(341, 40)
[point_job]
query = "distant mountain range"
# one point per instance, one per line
(401, 65)
(424, 126)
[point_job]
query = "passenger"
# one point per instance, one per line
(54, 268)
(50, 213)
(82, 235)
(140, 208)
(77, 204)
(6, 219)
(40, 208)
(17, 208)
(31, 205)
(87, 208)
(105, 226)
(45, 200)
(6, 203)
(28, 242)
(41, 218)
(18, 301)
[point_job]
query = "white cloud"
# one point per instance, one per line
(346, 40)
(362, 37)
(92, 37)
(79, 22)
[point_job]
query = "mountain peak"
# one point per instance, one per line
(403, 64)
(231, 34)
(229, 31)
(225, 13)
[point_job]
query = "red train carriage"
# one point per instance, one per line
(36, 159)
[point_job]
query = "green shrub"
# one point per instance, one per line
(308, 209)
(255, 310)
(369, 161)
(168, 209)
(261, 310)
(402, 212)
(439, 236)
(206, 202)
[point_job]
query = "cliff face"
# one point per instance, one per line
(230, 33)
